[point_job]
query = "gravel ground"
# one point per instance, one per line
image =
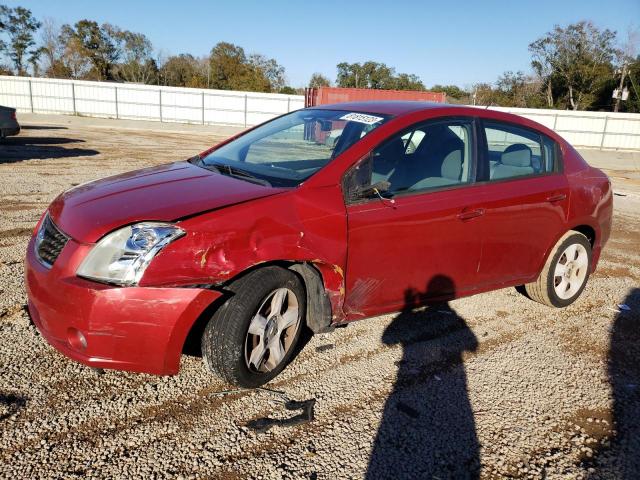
(494, 384)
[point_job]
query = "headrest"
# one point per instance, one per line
(452, 165)
(517, 155)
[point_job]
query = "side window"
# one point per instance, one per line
(513, 151)
(430, 155)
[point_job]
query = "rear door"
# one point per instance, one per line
(421, 238)
(526, 199)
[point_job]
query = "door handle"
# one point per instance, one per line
(469, 214)
(557, 198)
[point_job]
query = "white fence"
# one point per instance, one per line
(143, 102)
(601, 130)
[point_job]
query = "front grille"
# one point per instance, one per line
(49, 242)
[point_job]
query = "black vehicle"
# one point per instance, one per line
(8, 122)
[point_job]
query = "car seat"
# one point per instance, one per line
(515, 161)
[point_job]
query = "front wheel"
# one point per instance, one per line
(565, 272)
(251, 338)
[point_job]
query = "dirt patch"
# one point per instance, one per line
(16, 232)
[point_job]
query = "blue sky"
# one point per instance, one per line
(459, 42)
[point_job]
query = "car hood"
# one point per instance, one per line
(163, 193)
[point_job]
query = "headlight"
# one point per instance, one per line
(122, 256)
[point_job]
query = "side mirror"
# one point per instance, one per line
(377, 188)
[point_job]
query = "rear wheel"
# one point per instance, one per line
(251, 338)
(565, 272)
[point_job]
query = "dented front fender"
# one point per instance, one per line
(301, 225)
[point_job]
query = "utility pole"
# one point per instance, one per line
(620, 88)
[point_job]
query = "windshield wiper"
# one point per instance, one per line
(236, 173)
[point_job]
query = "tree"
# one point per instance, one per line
(289, 90)
(21, 26)
(136, 50)
(34, 60)
(97, 43)
(52, 48)
(406, 81)
(319, 80)
(270, 69)
(231, 69)
(484, 94)
(543, 68)
(183, 70)
(375, 75)
(452, 91)
(519, 90)
(580, 55)
(628, 62)
(4, 22)
(633, 103)
(75, 62)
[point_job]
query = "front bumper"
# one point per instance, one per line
(140, 329)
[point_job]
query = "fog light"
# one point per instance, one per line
(76, 339)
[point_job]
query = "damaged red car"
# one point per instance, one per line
(314, 219)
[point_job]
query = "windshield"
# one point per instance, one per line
(288, 150)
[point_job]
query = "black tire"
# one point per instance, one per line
(224, 337)
(543, 290)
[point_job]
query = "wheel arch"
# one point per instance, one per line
(588, 231)
(586, 228)
(320, 316)
(324, 294)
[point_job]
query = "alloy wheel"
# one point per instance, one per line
(570, 271)
(272, 330)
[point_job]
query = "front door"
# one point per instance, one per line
(417, 237)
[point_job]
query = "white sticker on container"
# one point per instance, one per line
(361, 118)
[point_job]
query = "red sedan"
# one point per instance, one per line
(314, 219)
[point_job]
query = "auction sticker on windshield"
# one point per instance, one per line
(361, 118)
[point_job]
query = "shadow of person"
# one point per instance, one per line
(427, 428)
(624, 376)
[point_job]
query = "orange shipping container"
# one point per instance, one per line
(326, 95)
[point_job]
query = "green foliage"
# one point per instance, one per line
(136, 50)
(97, 43)
(318, 80)
(288, 90)
(20, 27)
(452, 91)
(580, 55)
(183, 70)
(406, 81)
(519, 90)
(232, 69)
(4, 22)
(375, 75)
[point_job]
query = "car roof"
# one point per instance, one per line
(387, 107)
(397, 108)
